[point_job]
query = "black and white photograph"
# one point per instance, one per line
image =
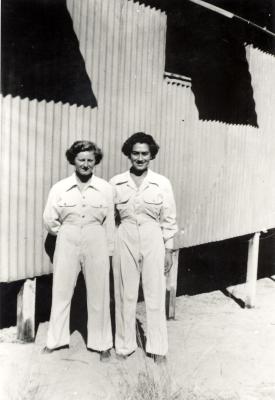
(137, 222)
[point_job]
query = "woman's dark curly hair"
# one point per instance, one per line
(83, 145)
(140, 137)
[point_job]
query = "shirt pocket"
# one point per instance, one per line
(98, 208)
(67, 199)
(153, 203)
(66, 203)
(97, 203)
(66, 208)
(153, 199)
(121, 203)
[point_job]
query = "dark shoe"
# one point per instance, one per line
(159, 359)
(121, 357)
(105, 355)
(46, 350)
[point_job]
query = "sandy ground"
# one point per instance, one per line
(218, 351)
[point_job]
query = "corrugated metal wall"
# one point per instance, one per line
(123, 44)
(223, 175)
(231, 181)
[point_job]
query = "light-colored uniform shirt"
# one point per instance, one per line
(148, 223)
(93, 205)
(152, 202)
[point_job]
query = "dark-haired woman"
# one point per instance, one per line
(80, 212)
(145, 205)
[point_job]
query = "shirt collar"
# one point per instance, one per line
(149, 179)
(72, 182)
(126, 178)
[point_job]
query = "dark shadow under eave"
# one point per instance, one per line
(41, 58)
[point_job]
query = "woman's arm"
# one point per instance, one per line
(110, 220)
(168, 224)
(168, 215)
(50, 215)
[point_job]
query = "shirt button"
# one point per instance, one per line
(83, 216)
(83, 205)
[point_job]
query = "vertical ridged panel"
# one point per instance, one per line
(223, 175)
(40, 193)
(123, 45)
(13, 184)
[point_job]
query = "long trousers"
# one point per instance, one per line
(139, 252)
(81, 247)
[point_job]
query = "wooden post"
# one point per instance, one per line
(171, 282)
(171, 288)
(252, 270)
(26, 311)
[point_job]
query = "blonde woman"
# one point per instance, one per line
(80, 212)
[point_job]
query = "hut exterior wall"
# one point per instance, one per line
(123, 45)
(223, 175)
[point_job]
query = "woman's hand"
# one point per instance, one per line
(168, 261)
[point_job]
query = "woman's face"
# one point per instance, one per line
(84, 163)
(140, 156)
